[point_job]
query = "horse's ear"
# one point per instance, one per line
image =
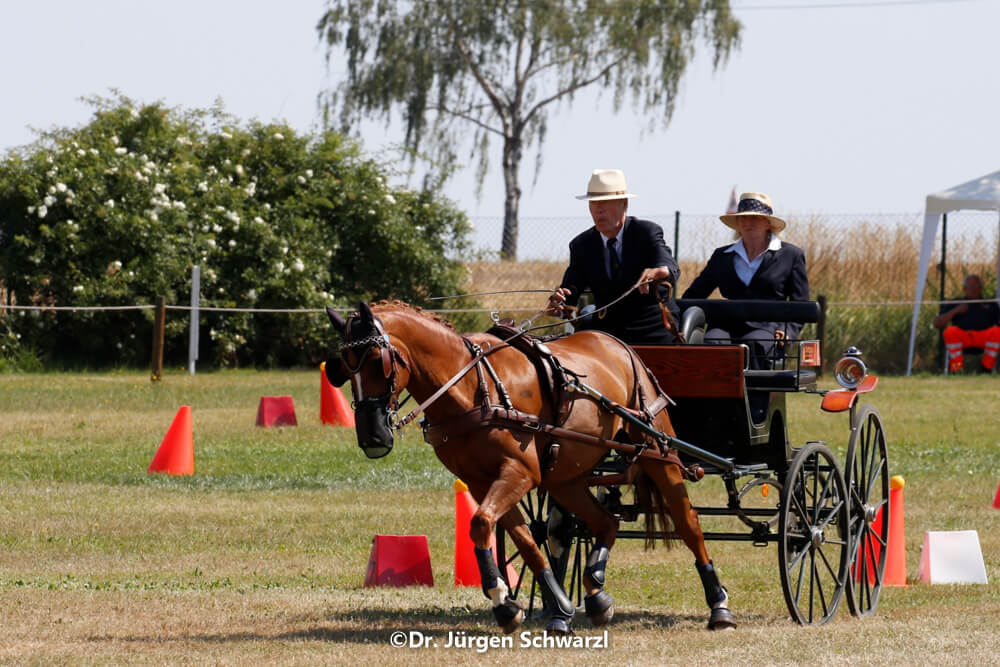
(367, 316)
(336, 320)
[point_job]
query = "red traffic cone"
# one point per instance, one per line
(333, 407)
(996, 498)
(276, 411)
(399, 560)
(176, 453)
(466, 567)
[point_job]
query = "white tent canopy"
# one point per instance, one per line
(980, 194)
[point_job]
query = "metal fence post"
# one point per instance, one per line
(677, 234)
(195, 297)
(159, 323)
(821, 331)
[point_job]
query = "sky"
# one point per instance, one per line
(828, 106)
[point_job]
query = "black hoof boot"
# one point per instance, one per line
(509, 616)
(559, 626)
(721, 619)
(600, 608)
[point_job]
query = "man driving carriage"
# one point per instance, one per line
(619, 251)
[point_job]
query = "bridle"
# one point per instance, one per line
(389, 355)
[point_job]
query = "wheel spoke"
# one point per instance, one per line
(819, 584)
(829, 567)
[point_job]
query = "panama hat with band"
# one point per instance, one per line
(607, 184)
(753, 203)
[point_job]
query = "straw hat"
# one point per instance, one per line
(607, 184)
(753, 203)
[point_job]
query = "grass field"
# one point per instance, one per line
(260, 556)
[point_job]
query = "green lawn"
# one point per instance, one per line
(260, 555)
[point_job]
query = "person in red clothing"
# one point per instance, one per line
(966, 325)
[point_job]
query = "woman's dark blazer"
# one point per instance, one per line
(637, 318)
(780, 277)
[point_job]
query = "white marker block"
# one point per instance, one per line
(952, 557)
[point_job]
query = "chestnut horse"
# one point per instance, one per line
(393, 345)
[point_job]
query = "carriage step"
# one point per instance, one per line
(737, 471)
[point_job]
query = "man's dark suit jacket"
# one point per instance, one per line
(636, 319)
(780, 277)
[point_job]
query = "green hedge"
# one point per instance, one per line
(118, 211)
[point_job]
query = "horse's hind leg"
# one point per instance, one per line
(670, 481)
(575, 497)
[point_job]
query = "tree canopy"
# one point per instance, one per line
(117, 212)
(496, 66)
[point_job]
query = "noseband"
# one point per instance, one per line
(388, 353)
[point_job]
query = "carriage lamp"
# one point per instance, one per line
(809, 353)
(850, 370)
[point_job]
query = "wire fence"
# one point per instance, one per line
(864, 264)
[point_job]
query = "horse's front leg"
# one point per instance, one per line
(670, 481)
(499, 502)
(575, 496)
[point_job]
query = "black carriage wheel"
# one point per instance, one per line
(813, 541)
(867, 477)
(536, 507)
(761, 494)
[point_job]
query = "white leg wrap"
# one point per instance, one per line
(498, 593)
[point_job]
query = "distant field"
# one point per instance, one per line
(259, 557)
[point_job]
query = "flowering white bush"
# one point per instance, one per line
(116, 212)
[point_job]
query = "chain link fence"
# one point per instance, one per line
(865, 265)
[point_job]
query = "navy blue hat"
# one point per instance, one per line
(753, 203)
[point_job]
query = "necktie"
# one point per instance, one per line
(616, 267)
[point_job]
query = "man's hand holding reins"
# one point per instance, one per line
(650, 276)
(557, 300)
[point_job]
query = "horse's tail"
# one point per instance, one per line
(657, 511)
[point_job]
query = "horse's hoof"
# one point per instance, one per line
(721, 619)
(558, 626)
(600, 608)
(509, 616)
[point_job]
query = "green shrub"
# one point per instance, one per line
(118, 211)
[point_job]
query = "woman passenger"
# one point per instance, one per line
(759, 265)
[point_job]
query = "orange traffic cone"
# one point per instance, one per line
(176, 453)
(996, 498)
(895, 562)
(333, 407)
(466, 567)
(895, 559)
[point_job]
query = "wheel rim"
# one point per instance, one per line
(813, 544)
(536, 507)
(867, 479)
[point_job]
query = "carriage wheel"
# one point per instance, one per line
(759, 495)
(813, 544)
(536, 507)
(867, 479)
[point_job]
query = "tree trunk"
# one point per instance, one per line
(512, 190)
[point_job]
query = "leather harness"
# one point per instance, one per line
(558, 383)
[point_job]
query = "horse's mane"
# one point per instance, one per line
(396, 304)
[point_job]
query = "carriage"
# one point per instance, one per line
(822, 514)
(712, 416)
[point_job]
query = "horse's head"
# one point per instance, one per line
(378, 372)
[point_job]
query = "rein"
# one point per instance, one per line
(390, 353)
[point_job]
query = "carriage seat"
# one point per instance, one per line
(783, 380)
